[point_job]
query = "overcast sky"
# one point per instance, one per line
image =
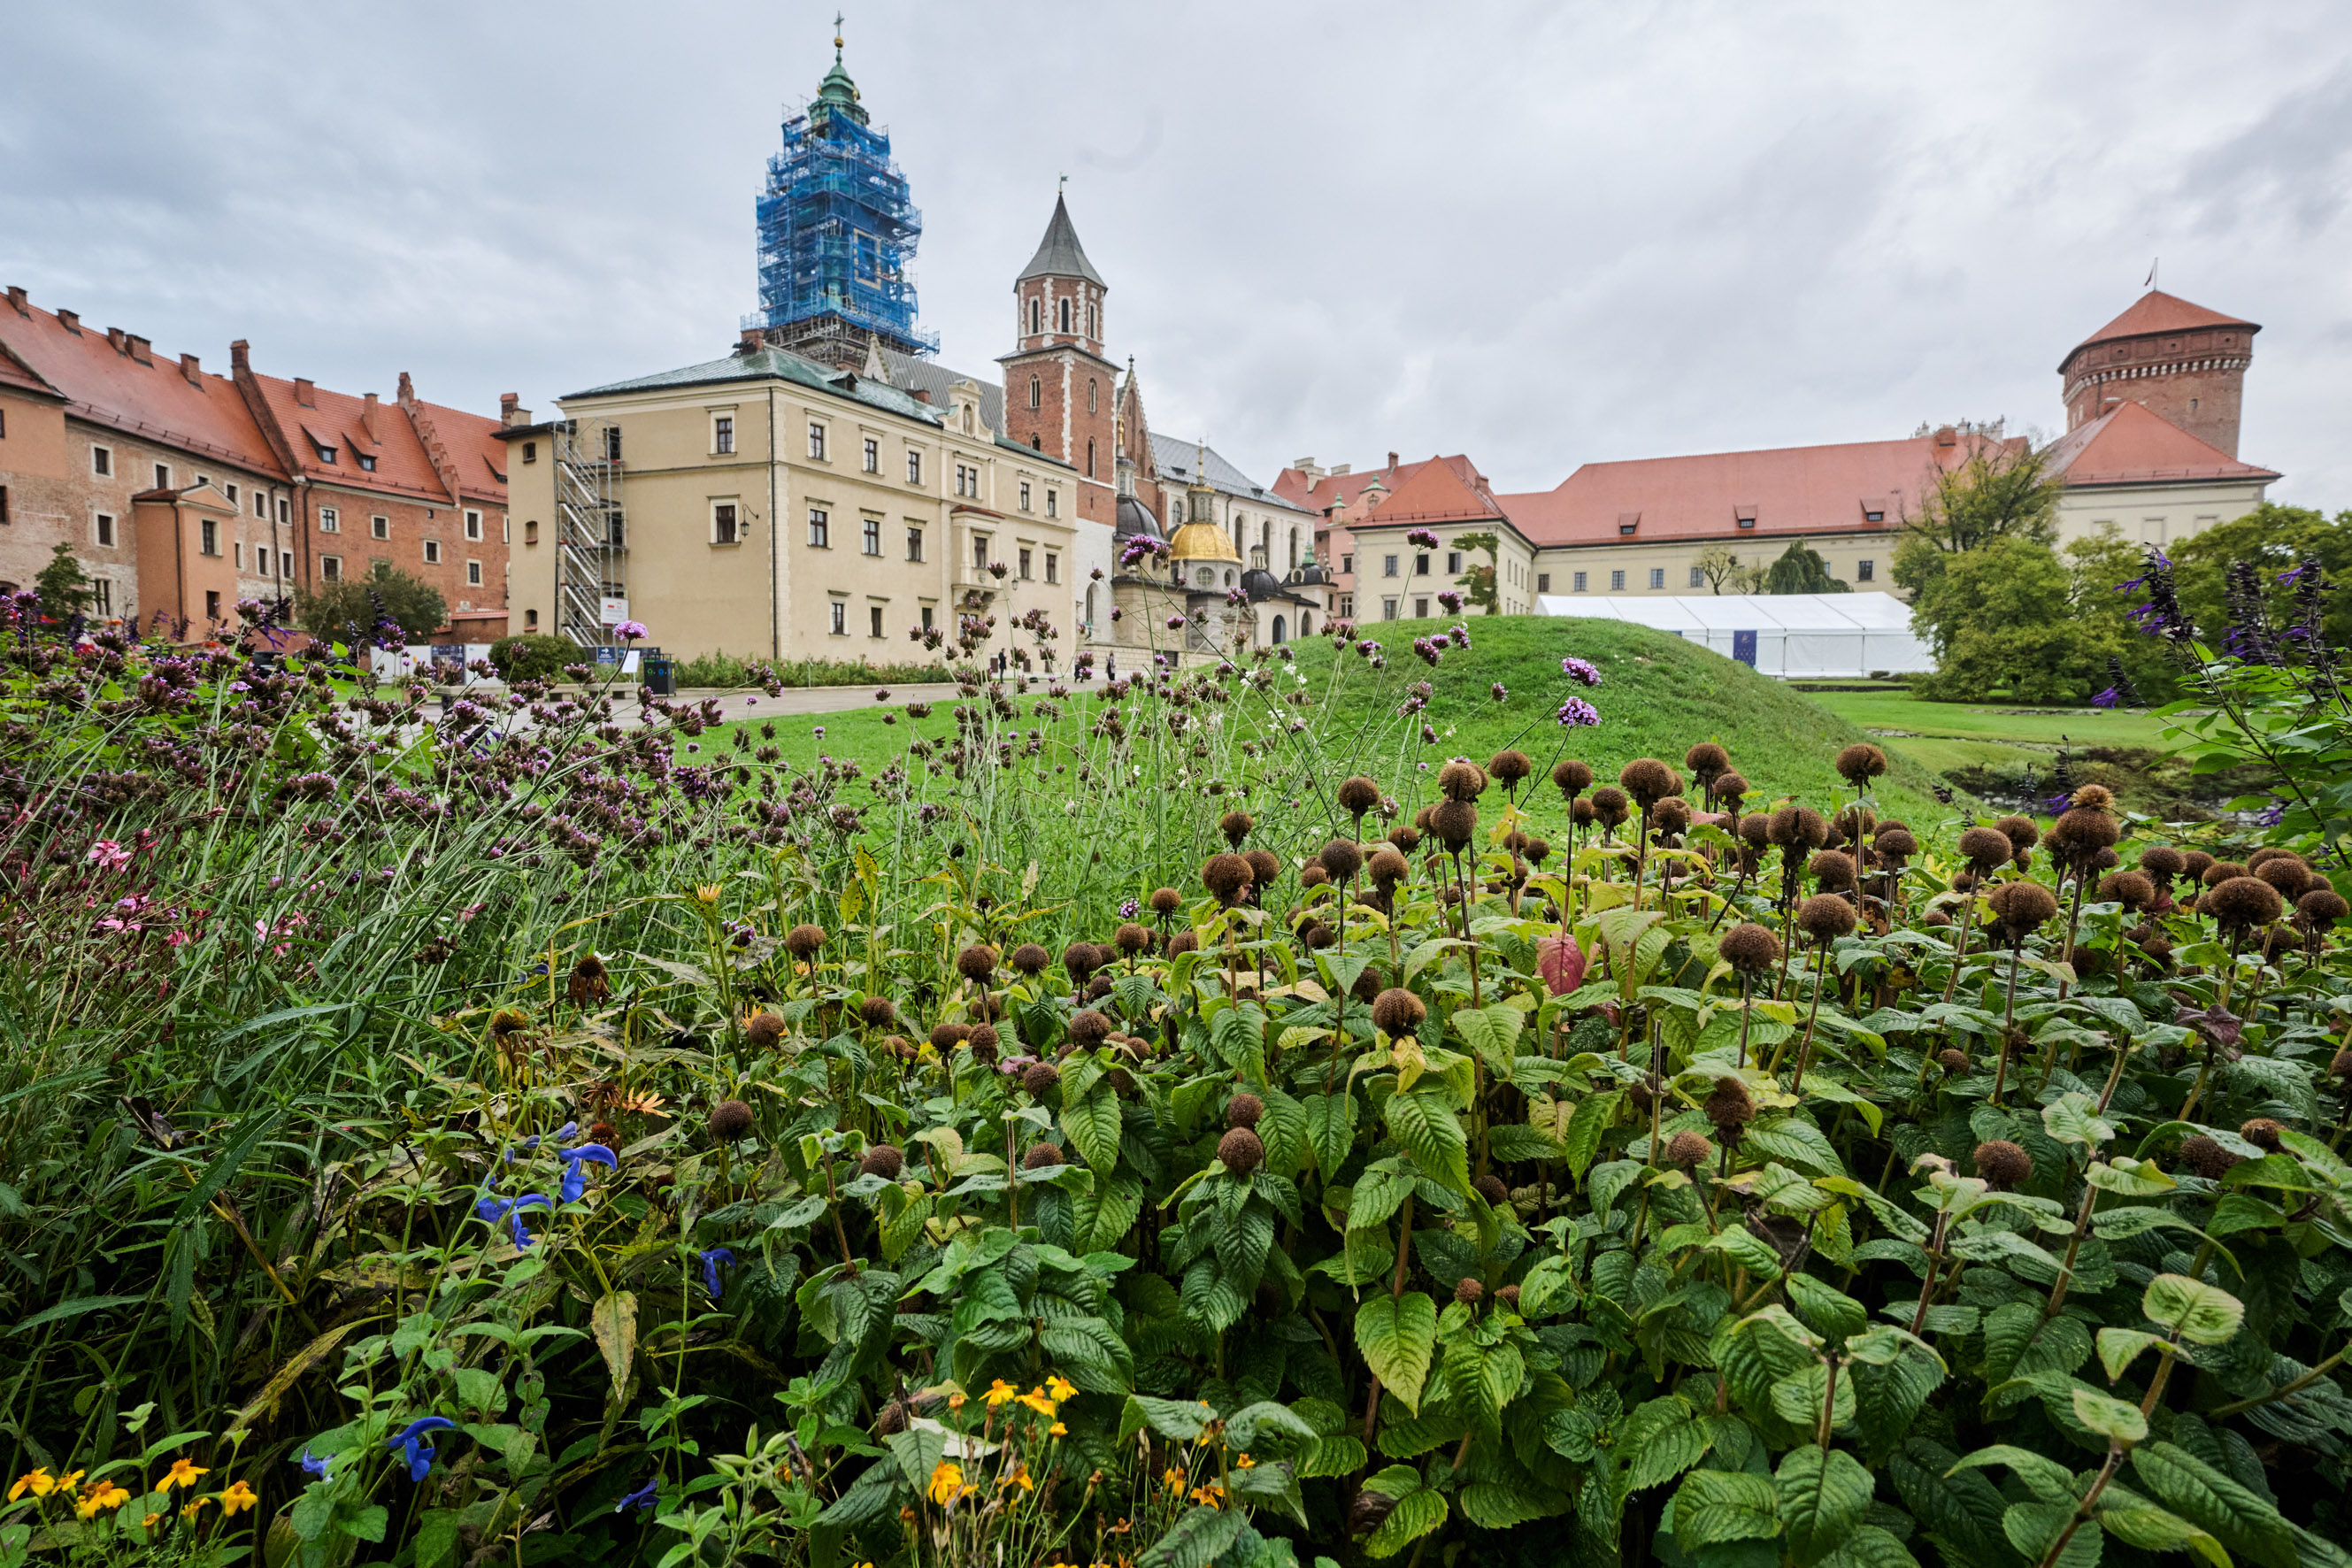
(1539, 233)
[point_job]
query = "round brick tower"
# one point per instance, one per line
(2184, 363)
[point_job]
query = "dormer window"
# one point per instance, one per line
(367, 463)
(326, 453)
(1745, 516)
(1873, 517)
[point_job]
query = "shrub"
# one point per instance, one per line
(533, 656)
(331, 610)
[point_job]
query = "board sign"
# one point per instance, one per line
(610, 611)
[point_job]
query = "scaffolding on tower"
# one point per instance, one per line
(836, 232)
(591, 529)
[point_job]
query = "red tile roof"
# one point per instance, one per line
(1441, 491)
(334, 419)
(1336, 490)
(105, 380)
(2157, 312)
(479, 455)
(18, 376)
(1788, 490)
(2131, 444)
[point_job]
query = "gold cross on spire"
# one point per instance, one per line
(836, 34)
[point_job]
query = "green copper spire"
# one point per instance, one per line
(836, 94)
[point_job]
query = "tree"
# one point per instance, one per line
(332, 608)
(2003, 490)
(1478, 583)
(2004, 615)
(1719, 564)
(1799, 569)
(63, 586)
(2008, 584)
(2275, 539)
(2096, 566)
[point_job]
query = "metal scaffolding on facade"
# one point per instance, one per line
(836, 230)
(591, 529)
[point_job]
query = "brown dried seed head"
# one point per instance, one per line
(1470, 1292)
(891, 1419)
(1730, 1106)
(1081, 959)
(1511, 768)
(1832, 868)
(1756, 829)
(1313, 876)
(1226, 876)
(977, 961)
(1952, 1060)
(729, 1119)
(876, 1011)
(1266, 870)
(1729, 788)
(1040, 1079)
(2020, 831)
(1706, 760)
(766, 1031)
(1406, 840)
(2242, 904)
(1343, 857)
(983, 1041)
(1183, 941)
(1235, 825)
(2162, 861)
(1131, 938)
(2132, 889)
(2220, 871)
(1042, 1156)
(2287, 873)
(947, 1037)
(1648, 780)
(1244, 1109)
(1166, 900)
(2078, 836)
(883, 1160)
(2340, 1064)
(1089, 1028)
(1986, 847)
(1611, 804)
(1895, 845)
(2022, 908)
(2194, 863)
(2323, 906)
(1825, 917)
(1688, 1148)
(1750, 948)
(802, 941)
(2205, 1157)
(1357, 794)
(1455, 823)
(2263, 1133)
(1572, 777)
(1491, 1188)
(1461, 779)
(1388, 867)
(1672, 814)
(2003, 1163)
(1369, 1511)
(1860, 763)
(1030, 958)
(1241, 1151)
(2093, 798)
(1398, 1012)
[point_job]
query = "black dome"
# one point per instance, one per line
(1135, 518)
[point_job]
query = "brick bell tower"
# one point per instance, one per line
(1060, 393)
(2186, 363)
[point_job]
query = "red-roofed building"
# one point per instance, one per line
(2179, 360)
(103, 443)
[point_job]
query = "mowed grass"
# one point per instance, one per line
(1949, 737)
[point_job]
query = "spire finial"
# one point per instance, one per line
(836, 38)
(1063, 187)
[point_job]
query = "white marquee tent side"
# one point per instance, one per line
(1791, 636)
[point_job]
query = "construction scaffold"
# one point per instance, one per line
(837, 231)
(591, 529)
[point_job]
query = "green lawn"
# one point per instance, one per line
(1895, 711)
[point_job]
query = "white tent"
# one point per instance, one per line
(1792, 636)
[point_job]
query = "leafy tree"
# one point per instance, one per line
(2097, 565)
(1478, 583)
(63, 586)
(1799, 569)
(1719, 564)
(2003, 615)
(2275, 539)
(329, 609)
(2003, 490)
(2009, 583)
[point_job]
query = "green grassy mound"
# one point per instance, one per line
(1659, 696)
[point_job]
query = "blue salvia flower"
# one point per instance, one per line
(645, 1496)
(315, 1464)
(710, 1262)
(411, 1445)
(491, 1208)
(575, 1168)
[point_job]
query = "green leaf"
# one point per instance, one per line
(1397, 1336)
(1244, 1426)
(1178, 1420)
(2201, 1314)
(2118, 1348)
(1491, 1506)
(2074, 1118)
(1199, 1536)
(2034, 1529)
(1888, 1398)
(2110, 1418)
(1493, 1032)
(613, 1321)
(1414, 1516)
(1586, 1125)
(2245, 1524)
(1665, 1438)
(1331, 1130)
(2136, 1521)
(1868, 1546)
(1822, 1496)
(1092, 1121)
(1715, 1506)
(1823, 1307)
(1426, 1128)
(2132, 1178)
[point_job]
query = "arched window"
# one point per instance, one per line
(1278, 635)
(1036, 444)
(1037, 389)
(1094, 321)
(1034, 328)
(1066, 315)
(1090, 457)
(1305, 624)
(1093, 396)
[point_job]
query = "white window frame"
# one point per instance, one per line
(331, 568)
(873, 455)
(1024, 495)
(105, 531)
(1580, 584)
(472, 523)
(473, 573)
(914, 541)
(330, 520)
(732, 507)
(874, 621)
(820, 527)
(914, 464)
(722, 435)
(1053, 502)
(839, 611)
(432, 552)
(869, 536)
(1617, 580)
(101, 460)
(816, 442)
(379, 526)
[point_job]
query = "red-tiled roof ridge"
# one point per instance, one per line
(2132, 444)
(402, 464)
(172, 402)
(1338, 490)
(15, 375)
(1437, 491)
(2158, 311)
(467, 433)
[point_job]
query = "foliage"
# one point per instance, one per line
(2010, 616)
(725, 669)
(2275, 539)
(1718, 564)
(533, 656)
(62, 586)
(329, 609)
(1802, 569)
(1478, 582)
(547, 1141)
(2004, 488)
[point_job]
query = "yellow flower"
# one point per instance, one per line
(955, 1401)
(1244, 1463)
(39, 1482)
(70, 1481)
(1209, 1496)
(150, 1521)
(101, 1494)
(707, 893)
(1020, 1476)
(238, 1497)
(1057, 1430)
(1001, 1390)
(180, 1474)
(1061, 1387)
(946, 1480)
(194, 1506)
(1173, 1478)
(1037, 1401)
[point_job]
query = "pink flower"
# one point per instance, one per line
(629, 631)
(109, 855)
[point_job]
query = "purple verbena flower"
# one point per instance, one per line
(1580, 671)
(1576, 712)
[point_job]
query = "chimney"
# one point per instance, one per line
(306, 392)
(367, 417)
(16, 302)
(1392, 462)
(922, 395)
(407, 394)
(70, 321)
(508, 412)
(140, 349)
(752, 341)
(240, 356)
(114, 336)
(192, 370)
(1946, 435)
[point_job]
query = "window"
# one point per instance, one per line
(1420, 565)
(285, 510)
(1346, 563)
(163, 476)
(611, 443)
(260, 505)
(101, 460)
(473, 573)
(874, 620)
(379, 568)
(1034, 328)
(840, 614)
(722, 523)
(1388, 565)
(212, 604)
(433, 552)
(926, 617)
(1657, 576)
(1093, 396)
(530, 618)
(914, 466)
(1024, 495)
(1053, 506)
(816, 442)
(722, 435)
(1024, 563)
(1066, 315)
(329, 521)
(1865, 570)
(1454, 563)
(914, 544)
(1053, 567)
(106, 528)
(530, 455)
(230, 491)
(1881, 517)
(4, 505)
(1748, 522)
(379, 527)
(820, 531)
(1616, 581)
(1421, 609)
(873, 455)
(367, 462)
(506, 530)
(101, 596)
(531, 530)
(1388, 609)
(1090, 457)
(331, 568)
(870, 536)
(237, 550)
(473, 525)
(1094, 330)
(1698, 577)
(1036, 387)
(1543, 582)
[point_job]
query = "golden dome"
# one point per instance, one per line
(1202, 542)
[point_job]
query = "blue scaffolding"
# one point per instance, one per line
(837, 231)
